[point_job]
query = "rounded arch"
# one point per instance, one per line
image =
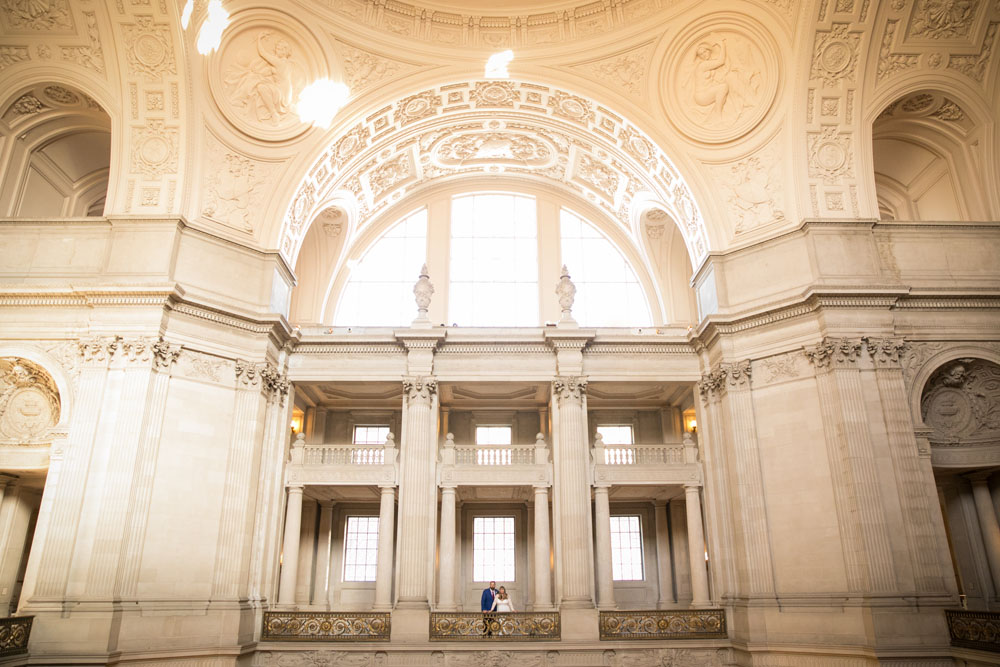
(56, 372)
(62, 140)
(936, 361)
(520, 127)
(329, 279)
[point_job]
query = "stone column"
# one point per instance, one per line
(416, 493)
(663, 564)
(543, 569)
(696, 547)
(572, 463)
(987, 524)
(290, 551)
(383, 572)
(602, 549)
(323, 541)
(446, 568)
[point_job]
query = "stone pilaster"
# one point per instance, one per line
(257, 386)
(602, 548)
(543, 571)
(383, 572)
(696, 547)
(857, 493)
(417, 497)
(290, 551)
(927, 544)
(446, 569)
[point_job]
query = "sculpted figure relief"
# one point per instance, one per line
(724, 81)
(265, 81)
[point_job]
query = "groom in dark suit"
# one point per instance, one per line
(487, 604)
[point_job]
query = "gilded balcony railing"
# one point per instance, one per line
(511, 626)
(14, 633)
(326, 626)
(663, 624)
(974, 629)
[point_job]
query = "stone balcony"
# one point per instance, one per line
(343, 464)
(501, 465)
(646, 464)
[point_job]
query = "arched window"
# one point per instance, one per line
(380, 289)
(607, 291)
(494, 261)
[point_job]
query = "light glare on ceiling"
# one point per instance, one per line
(320, 101)
(496, 66)
(186, 14)
(210, 35)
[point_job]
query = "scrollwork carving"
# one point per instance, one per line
(37, 15)
(834, 352)
(148, 49)
(885, 352)
(569, 387)
(29, 401)
(961, 402)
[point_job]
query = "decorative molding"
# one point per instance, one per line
(419, 388)
(834, 353)
(327, 626)
(148, 49)
(569, 387)
(29, 404)
(885, 352)
(44, 17)
(961, 403)
(90, 55)
(154, 149)
(835, 55)
(661, 625)
(507, 626)
(15, 631)
(234, 195)
(978, 630)
(753, 188)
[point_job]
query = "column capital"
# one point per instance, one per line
(296, 487)
(980, 476)
(885, 352)
(569, 387)
(691, 485)
(419, 387)
(834, 353)
(450, 487)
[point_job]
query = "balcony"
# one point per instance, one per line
(345, 464)
(510, 626)
(974, 629)
(326, 626)
(663, 624)
(500, 465)
(14, 634)
(646, 464)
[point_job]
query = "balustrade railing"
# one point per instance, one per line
(326, 626)
(643, 454)
(511, 626)
(974, 629)
(665, 624)
(481, 455)
(343, 455)
(14, 634)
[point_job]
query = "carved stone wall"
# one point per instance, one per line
(29, 402)
(961, 402)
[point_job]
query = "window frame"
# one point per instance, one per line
(347, 516)
(642, 547)
(514, 532)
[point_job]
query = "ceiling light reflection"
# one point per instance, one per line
(320, 101)
(210, 35)
(496, 66)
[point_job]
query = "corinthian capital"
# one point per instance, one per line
(419, 388)
(569, 387)
(738, 373)
(835, 352)
(885, 352)
(98, 351)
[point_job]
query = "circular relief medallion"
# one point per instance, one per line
(154, 150)
(418, 106)
(150, 51)
(831, 155)
(260, 69)
(949, 410)
(61, 95)
(835, 57)
(721, 83)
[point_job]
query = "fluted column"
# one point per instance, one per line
(602, 549)
(290, 550)
(383, 571)
(416, 492)
(543, 570)
(321, 584)
(663, 564)
(446, 569)
(572, 461)
(988, 525)
(696, 547)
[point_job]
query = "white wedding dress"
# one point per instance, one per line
(502, 605)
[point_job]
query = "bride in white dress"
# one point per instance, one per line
(502, 601)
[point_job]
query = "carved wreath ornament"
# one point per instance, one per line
(29, 402)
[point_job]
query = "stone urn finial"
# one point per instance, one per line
(566, 291)
(422, 292)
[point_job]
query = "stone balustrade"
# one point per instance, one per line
(655, 454)
(974, 629)
(494, 456)
(14, 634)
(663, 624)
(327, 626)
(512, 626)
(343, 455)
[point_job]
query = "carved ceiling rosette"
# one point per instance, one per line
(265, 60)
(494, 144)
(721, 79)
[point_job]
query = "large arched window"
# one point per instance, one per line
(494, 261)
(380, 289)
(607, 291)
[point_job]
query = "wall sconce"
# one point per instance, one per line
(296, 424)
(691, 424)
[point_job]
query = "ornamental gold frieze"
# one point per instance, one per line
(507, 626)
(974, 629)
(326, 626)
(665, 624)
(14, 634)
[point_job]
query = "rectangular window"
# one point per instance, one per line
(493, 435)
(617, 434)
(493, 548)
(626, 548)
(370, 435)
(360, 548)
